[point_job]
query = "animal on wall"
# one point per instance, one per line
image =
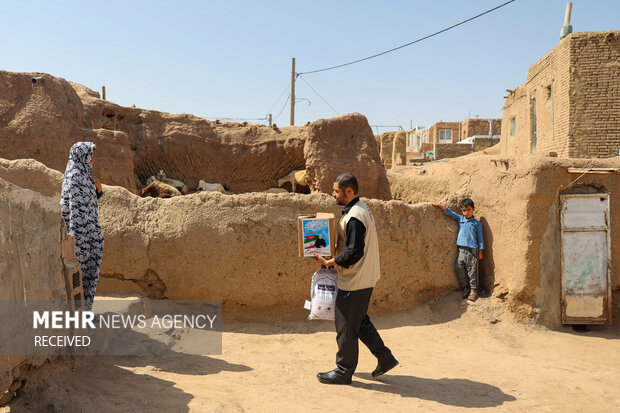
(206, 186)
(275, 191)
(161, 177)
(297, 177)
(159, 189)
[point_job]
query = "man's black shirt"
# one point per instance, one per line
(355, 234)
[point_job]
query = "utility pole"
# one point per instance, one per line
(270, 121)
(293, 91)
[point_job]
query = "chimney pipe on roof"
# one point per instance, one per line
(567, 28)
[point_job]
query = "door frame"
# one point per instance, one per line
(606, 317)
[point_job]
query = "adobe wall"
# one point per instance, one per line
(548, 82)
(392, 148)
(344, 143)
(481, 144)
(31, 266)
(447, 150)
(471, 127)
(576, 91)
(399, 148)
(595, 94)
(517, 201)
(386, 148)
(242, 249)
(42, 120)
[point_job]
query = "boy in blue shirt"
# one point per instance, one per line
(470, 243)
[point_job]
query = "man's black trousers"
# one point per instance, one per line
(352, 323)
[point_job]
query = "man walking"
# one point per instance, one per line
(358, 272)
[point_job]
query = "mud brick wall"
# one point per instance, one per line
(31, 265)
(484, 143)
(447, 150)
(595, 95)
(472, 127)
(576, 95)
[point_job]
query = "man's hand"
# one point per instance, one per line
(443, 208)
(323, 261)
(480, 255)
(97, 184)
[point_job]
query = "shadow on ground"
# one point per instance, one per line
(451, 392)
(436, 311)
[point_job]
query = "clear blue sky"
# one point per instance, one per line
(233, 58)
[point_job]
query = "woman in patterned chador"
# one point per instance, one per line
(78, 206)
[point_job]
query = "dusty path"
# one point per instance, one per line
(453, 358)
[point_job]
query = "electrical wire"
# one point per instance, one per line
(282, 110)
(410, 43)
(281, 94)
(317, 93)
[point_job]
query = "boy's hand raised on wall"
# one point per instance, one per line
(443, 208)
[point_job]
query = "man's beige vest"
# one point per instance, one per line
(365, 273)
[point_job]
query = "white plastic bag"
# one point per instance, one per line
(323, 292)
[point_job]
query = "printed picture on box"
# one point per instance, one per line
(316, 237)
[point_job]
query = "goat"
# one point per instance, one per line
(159, 189)
(206, 186)
(297, 177)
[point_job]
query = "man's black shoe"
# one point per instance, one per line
(333, 377)
(385, 366)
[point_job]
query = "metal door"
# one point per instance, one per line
(586, 259)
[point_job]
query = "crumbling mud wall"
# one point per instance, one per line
(31, 267)
(242, 249)
(344, 143)
(413, 188)
(42, 120)
(399, 149)
(241, 157)
(32, 174)
(386, 148)
(517, 201)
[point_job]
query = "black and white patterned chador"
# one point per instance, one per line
(78, 206)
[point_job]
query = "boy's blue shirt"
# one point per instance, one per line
(470, 230)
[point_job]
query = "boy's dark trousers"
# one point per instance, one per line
(467, 267)
(352, 323)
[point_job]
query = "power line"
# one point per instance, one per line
(317, 93)
(410, 43)
(282, 110)
(281, 94)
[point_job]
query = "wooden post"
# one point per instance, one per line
(103, 92)
(270, 120)
(293, 91)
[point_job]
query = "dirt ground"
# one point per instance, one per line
(453, 357)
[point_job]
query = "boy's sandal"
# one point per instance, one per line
(472, 296)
